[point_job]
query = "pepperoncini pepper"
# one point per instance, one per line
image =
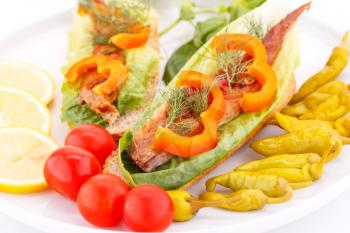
(183, 210)
(281, 161)
(314, 99)
(331, 109)
(270, 185)
(335, 65)
(337, 129)
(259, 69)
(311, 140)
(342, 125)
(188, 146)
(308, 173)
(186, 206)
(248, 199)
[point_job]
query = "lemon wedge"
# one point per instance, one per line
(29, 78)
(23, 153)
(19, 108)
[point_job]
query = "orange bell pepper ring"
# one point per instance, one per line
(188, 146)
(259, 69)
(131, 40)
(84, 66)
(114, 70)
(116, 73)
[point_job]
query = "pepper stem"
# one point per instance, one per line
(169, 27)
(207, 11)
(274, 200)
(345, 39)
(198, 204)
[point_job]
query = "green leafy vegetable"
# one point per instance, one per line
(140, 62)
(74, 113)
(241, 7)
(178, 60)
(187, 11)
(205, 30)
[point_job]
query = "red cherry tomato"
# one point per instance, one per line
(68, 168)
(101, 200)
(148, 208)
(93, 138)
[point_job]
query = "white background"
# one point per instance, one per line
(333, 217)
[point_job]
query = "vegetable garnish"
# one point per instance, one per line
(114, 71)
(259, 69)
(84, 66)
(121, 15)
(188, 146)
(131, 40)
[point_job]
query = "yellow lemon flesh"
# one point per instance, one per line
(29, 78)
(19, 108)
(23, 153)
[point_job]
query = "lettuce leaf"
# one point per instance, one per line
(233, 134)
(74, 113)
(140, 63)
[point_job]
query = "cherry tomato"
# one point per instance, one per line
(68, 168)
(148, 208)
(93, 138)
(101, 200)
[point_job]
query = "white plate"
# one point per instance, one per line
(44, 43)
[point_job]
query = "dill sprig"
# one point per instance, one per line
(256, 28)
(178, 106)
(185, 106)
(130, 13)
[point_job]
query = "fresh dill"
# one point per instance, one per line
(119, 13)
(185, 106)
(184, 126)
(256, 28)
(178, 106)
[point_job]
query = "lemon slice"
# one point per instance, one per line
(28, 78)
(19, 108)
(23, 153)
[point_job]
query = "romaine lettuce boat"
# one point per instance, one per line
(143, 157)
(113, 60)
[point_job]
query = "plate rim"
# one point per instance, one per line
(294, 213)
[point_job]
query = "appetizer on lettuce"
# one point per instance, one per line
(113, 60)
(219, 100)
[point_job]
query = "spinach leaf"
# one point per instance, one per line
(178, 60)
(204, 31)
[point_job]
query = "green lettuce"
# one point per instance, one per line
(74, 113)
(140, 63)
(233, 134)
